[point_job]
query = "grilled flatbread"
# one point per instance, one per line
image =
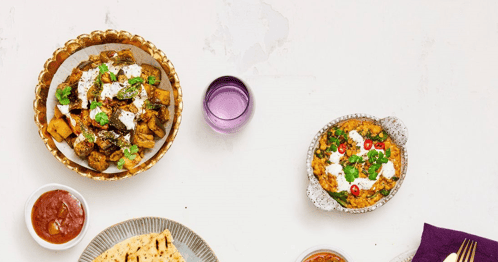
(144, 248)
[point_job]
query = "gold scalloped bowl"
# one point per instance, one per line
(95, 40)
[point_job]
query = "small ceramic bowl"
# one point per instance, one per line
(29, 206)
(321, 249)
(321, 199)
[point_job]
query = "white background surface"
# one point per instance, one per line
(433, 64)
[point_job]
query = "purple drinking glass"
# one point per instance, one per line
(227, 104)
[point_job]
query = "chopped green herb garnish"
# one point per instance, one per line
(121, 163)
(333, 148)
(95, 104)
(103, 68)
(89, 137)
(395, 178)
(62, 95)
(385, 192)
(152, 80)
(113, 76)
(102, 118)
(355, 159)
(388, 152)
(339, 132)
(131, 152)
(372, 171)
(333, 139)
(135, 80)
(351, 173)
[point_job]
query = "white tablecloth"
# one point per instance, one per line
(433, 64)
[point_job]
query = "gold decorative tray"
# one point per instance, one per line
(98, 38)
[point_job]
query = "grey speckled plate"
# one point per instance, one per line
(321, 199)
(192, 247)
(405, 257)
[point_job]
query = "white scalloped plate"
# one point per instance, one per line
(192, 247)
(398, 133)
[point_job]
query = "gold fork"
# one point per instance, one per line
(468, 247)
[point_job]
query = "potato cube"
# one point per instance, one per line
(149, 89)
(57, 112)
(163, 114)
(149, 70)
(155, 125)
(59, 129)
(161, 97)
(130, 164)
(97, 161)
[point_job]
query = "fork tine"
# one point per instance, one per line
(470, 249)
(460, 249)
(464, 250)
(473, 252)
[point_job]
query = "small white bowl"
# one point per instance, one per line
(323, 248)
(29, 206)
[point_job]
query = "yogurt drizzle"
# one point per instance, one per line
(387, 170)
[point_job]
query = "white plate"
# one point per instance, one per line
(191, 246)
(73, 61)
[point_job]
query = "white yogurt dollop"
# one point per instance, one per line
(128, 119)
(388, 170)
(87, 80)
(94, 112)
(110, 90)
(132, 70)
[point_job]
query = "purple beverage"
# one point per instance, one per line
(227, 104)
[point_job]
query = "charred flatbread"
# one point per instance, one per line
(151, 247)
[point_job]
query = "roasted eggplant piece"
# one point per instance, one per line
(144, 140)
(97, 161)
(116, 155)
(149, 70)
(83, 148)
(85, 65)
(155, 125)
(161, 97)
(163, 114)
(125, 57)
(130, 164)
(115, 122)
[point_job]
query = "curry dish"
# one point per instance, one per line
(111, 110)
(357, 163)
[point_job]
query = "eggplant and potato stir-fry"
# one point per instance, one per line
(110, 110)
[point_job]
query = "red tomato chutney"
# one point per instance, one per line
(324, 257)
(57, 216)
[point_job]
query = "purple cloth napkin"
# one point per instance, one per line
(437, 243)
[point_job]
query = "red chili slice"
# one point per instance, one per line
(368, 144)
(355, 190)
(380, 145)
(342, 148)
